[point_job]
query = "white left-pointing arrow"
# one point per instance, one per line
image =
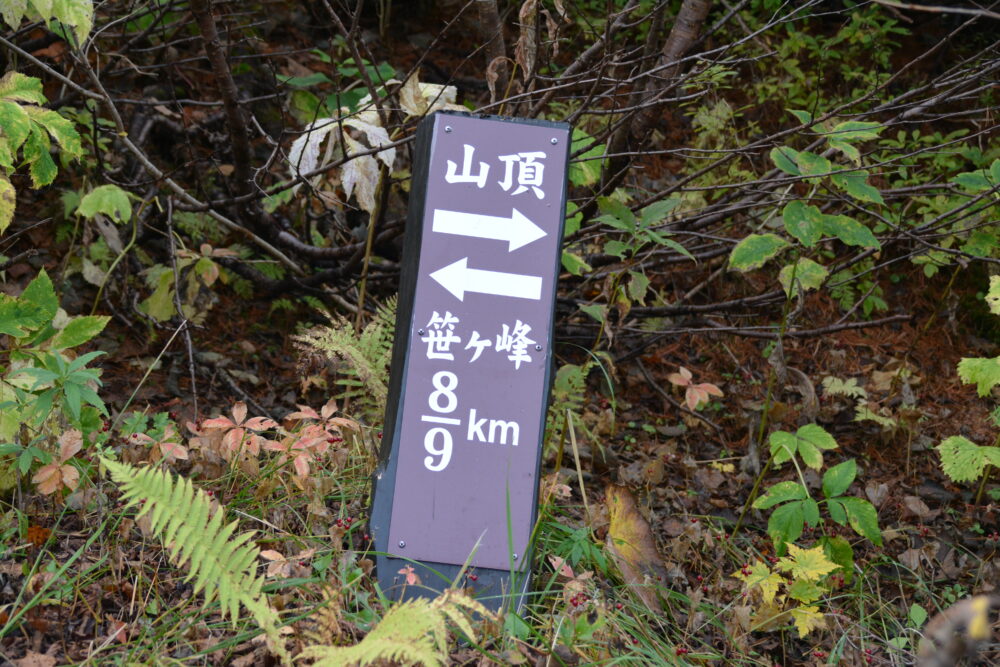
(517, 230)
(458, 279)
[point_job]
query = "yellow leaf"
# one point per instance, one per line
(632, 546)
(809, 564)
(807, 619)
(761, 577)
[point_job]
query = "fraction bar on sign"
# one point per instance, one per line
(440, 420)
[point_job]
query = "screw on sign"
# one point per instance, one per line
(457, 479)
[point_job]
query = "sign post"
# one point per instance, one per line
(457, 480)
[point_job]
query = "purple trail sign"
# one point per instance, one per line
(458, 475)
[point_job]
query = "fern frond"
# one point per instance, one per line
(222, 566)
(412, 632)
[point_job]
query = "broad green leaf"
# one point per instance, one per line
(808, 275)
(37, 154)
(804, 117)
(617, 248)
(595, 310)
(807, 442)
(17, 86)
(658, 211)
(963, 460)
(849, 231)
(637, 286)
(43, 7)
(585, 169)
(839, 478)
(77, 13)
(12, 11)
(755, 250)
(160, 304)
(14, 124)
(985, 373)
(916, 616)
(995, 171)
(60, 128)
(810, 511)
(110, 200)
(855, 130)
(855, 183)
(79, 330)
(574, 264)
(805, 591)
(785, 525)
(616, 214)
(784, 159)
(863, 518)
(849, 150)
(839, 550)
(837, 511)
(8, 201)
(993, 295)
(812, 164)
(41, 293)
(808, 564)
(18, 317)
(781, 492)
(977, 181)
(803, 221)
(981, 243)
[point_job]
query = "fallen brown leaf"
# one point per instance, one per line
(631, 545)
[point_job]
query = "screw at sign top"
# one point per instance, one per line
(538, 348)
(554, 141)
(420, 332)
(402, 544)
(515, 556)
(447, 128)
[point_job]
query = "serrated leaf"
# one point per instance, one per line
(849, 231)
(78, 331)
(41, 293)
(808, 564)
(360, 177)
(14, 124)
(783, 158)
(863, 518)
(43, 7)
(760, 576)
(18, 317)
(585, 169)
(780, 493)
(637, 286)
(785, 524)
(839, 550)
(807, 619)
(976, 181)
(574, 264)
(41, 166)
(807, 274)
(855, 183)
(376, 135)
(755, 250)
(803, 221)
(303, 156)
(160, 304)
(963, 460)
(993, 295)
(849, 150)
(855, 130)
(77, 13)
(110, 200)
(60, 128)
(811, 164)
(981, 243)
(811, 438)
(804, 117)
(985, 373)
(658, 211)
(805, 591)
(12, 11)
(17, 86)
(8, 202)
(839, 478)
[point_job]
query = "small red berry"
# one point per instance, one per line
(619, 606)
(474, 577)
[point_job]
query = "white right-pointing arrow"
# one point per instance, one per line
(517, 230)
(458, 279)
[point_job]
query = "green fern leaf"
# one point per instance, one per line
(964, 460)
(220, 565)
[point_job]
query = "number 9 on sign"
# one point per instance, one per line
(443, 450)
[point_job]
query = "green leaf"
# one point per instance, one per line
(810, 511)
(963, 460)
(837, 511)
(41, 293)
(17, 86)
(77, 13)
(785, 525)
(849, 150)
(110, 200)
(916, 616)
(18, 317)
(804, 222)
(60, 128)
(807, 442)
(755, 250)
(574, 264)
(658, 211)
(79, 330)
(849, 231)
(616, 214)
(637, 286)
(617, 248)
(855, 130)
(8, 201)
(812, 164)
(14, 124)
(37, 154)
(804, 116)
(595, 310)
(993, 295)
(782, 492)
(160, 304)
(839, 550)
(985, 373)
(863, 518)
(855, 183)
(585, 169)
(981, 243)
(976, 181)
(43, 7)
(12, 11)
(808, 275)
(784, 158)
(839, 478)
(805, 591)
